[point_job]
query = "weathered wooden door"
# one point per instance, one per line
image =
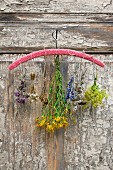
(26, 26)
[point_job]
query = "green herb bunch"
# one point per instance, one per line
(54, 114)
(94, 95)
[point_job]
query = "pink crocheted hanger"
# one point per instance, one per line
(47, 52)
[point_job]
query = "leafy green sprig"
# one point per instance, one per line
(94, 95)
(54, 114)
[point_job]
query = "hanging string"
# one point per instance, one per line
(56, 37)
(43, 95)
(56, 41)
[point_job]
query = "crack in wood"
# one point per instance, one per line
(108, 4)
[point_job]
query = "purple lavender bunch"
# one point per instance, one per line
(20, 94)
(71, 93)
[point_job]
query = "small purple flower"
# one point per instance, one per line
(20, 94)
(18, 100)
(17, 94)
(71, 93)
(23, 100)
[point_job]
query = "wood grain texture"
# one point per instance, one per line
(35, 18)
(88, 144)
(26, 50)
(30, 31)
(57, 6)
(26, 26)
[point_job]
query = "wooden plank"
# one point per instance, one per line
(30, 31)
(26, 50)
(59, 154)
(35, 18)
(57, 6)
(23, 140)
(79, 36)
(26, 145)
(55, 141)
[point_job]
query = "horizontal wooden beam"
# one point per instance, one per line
(34, 18)
(26, 50)
(29, 12)
(84, 31)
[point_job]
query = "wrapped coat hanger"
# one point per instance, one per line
(47, 52)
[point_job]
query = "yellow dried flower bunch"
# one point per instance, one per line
(55, 112)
